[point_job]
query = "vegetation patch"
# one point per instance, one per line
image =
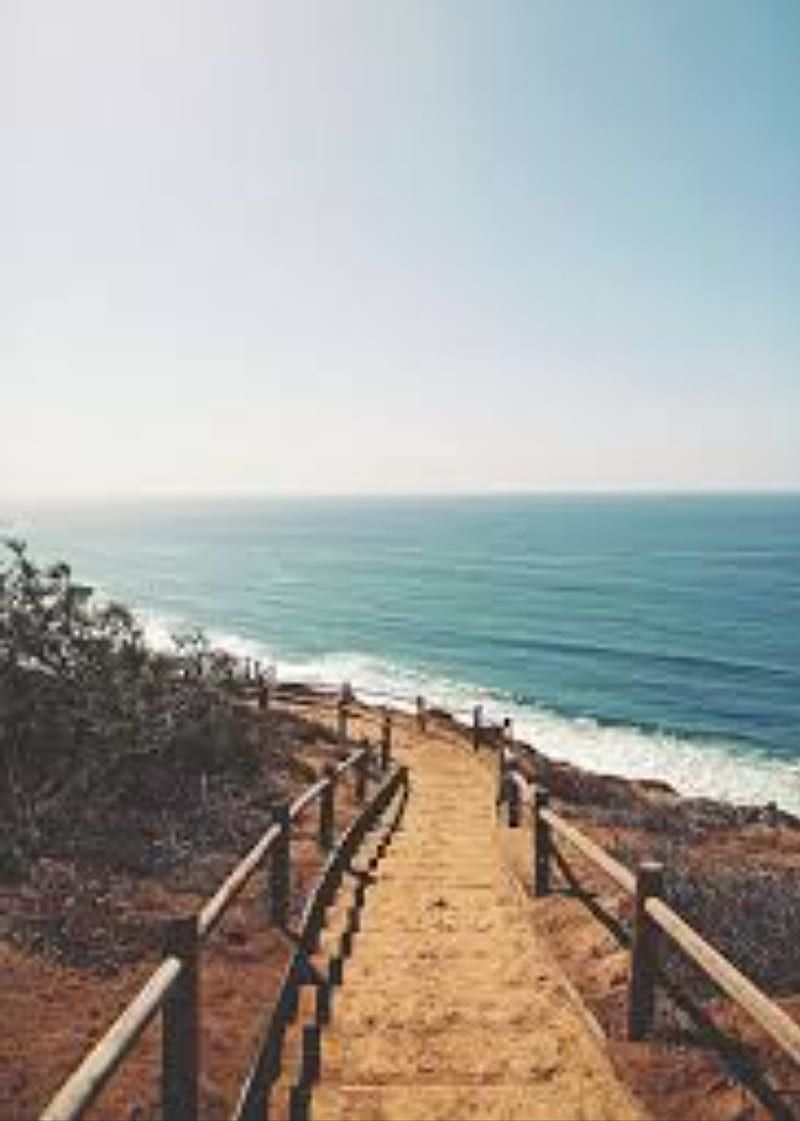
(121, 768)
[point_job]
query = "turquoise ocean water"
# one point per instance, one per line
(646, 636)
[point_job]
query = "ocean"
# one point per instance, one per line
(654, 637)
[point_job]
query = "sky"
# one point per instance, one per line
(419, 246)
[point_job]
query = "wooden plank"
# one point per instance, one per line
(644, 953)
(517, 790)
(477, 726)
(90, 1077)
(422, 714)
(776, 1023)
(180, 1028)
(222, 898)
(327, 809)
(386, 741)
(617, 872)
(280, 869)
(306, 799)
(362, 776)
(542, 843)
(351, 761)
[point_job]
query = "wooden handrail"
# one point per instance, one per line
(351, 761)
(313, 910)
(222, 898)
(215, 908)
(265, 1066)
(86, 1082)
(617, 872)
(776, 1023)
(306, 799)
(89, 1078)
(782, 1028)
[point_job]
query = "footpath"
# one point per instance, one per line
(451, 1008)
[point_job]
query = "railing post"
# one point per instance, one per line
(180, 1034)
(422, 715)
(341, 719)
(644, 958)
(501, 776)
(362, 774)
(514, 798)
(280, 868)
(266, 688)
(386, 742)
(477, 722)
(327, 810)
(542, 843)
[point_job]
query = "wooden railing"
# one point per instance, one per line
(266, 1069)
(172, 989)
(653, 918)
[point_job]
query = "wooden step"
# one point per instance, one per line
(434, 1102)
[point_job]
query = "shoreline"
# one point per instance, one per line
(722, 766)
(699, 764)
(569, 774)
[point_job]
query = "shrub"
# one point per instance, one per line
(82, 699)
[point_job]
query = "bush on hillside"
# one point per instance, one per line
(83, 699)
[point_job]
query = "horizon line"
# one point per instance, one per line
(96, 498)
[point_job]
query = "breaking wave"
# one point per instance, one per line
(695, 765)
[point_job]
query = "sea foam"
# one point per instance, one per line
(694, 766)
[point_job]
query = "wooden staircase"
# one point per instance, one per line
(449, 1008)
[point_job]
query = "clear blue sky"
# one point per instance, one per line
(399, 246)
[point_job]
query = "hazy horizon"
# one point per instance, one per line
(366, 248)
(10, 502)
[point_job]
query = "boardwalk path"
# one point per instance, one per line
(450, 1008)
